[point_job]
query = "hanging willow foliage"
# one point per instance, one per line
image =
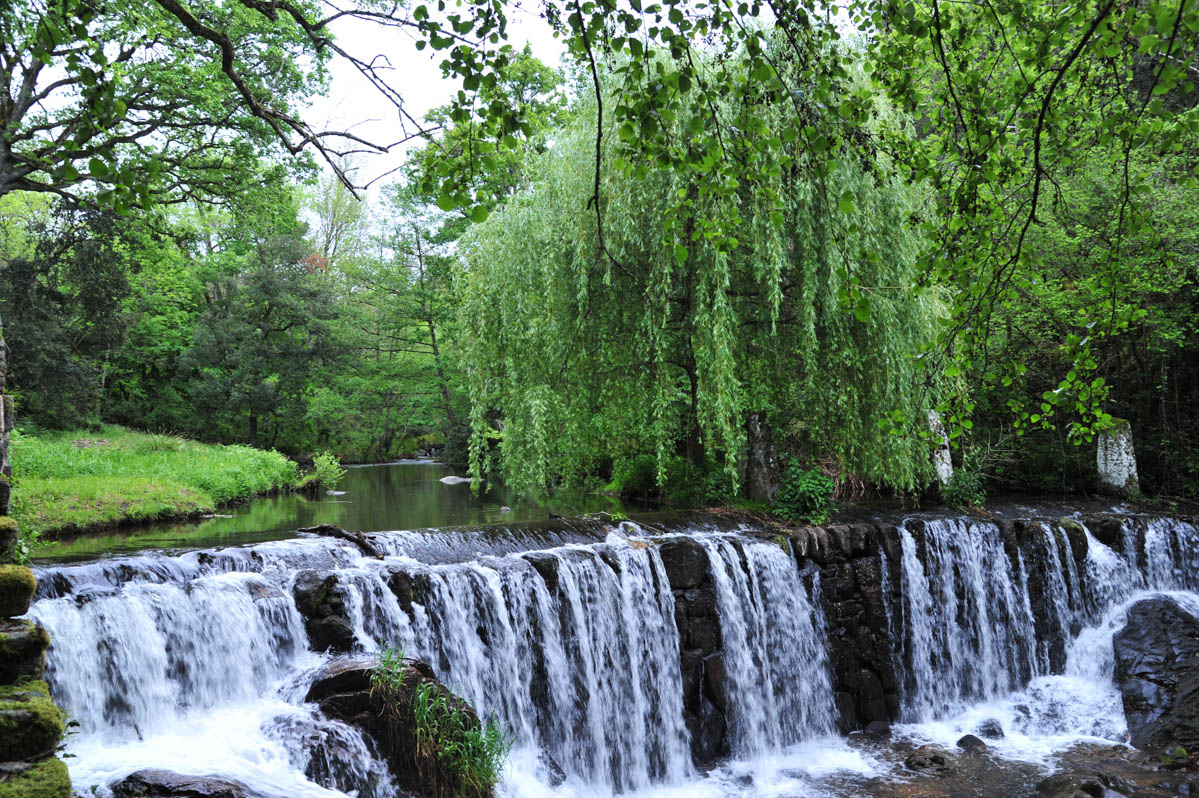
(765, 275)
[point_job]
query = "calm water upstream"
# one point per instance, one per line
(376, 498)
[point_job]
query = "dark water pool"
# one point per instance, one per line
(404, 495)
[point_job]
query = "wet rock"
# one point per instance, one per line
(928, 759)
(23, 647)
(321, 600)
(990, 729)
(329, 753)
(971, 743)
(685, 561)
(260, 591)
(546, 565)
(343, 690)
(550, 771)
(1107, 529)
(165, 784)
(878, 729)
(1157, 668)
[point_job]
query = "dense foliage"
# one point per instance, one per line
(725, 211)
(666, 343)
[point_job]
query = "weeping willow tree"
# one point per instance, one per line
(646, 299)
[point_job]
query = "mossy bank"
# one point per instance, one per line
(80, 480)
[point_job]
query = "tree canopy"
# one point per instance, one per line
(838, 217)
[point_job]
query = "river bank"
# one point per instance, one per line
(78, 481)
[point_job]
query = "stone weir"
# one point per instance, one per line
(626, 655)
(927, 616)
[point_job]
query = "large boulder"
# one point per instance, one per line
(165, 784)
(387, 713)
(1157, 669)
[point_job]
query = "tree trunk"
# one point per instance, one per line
(254, 430)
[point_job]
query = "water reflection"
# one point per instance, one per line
(404, 495)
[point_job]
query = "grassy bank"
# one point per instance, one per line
(84, 479)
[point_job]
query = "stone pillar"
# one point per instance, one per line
(1117, 461)
(941, 457)
(762, 463)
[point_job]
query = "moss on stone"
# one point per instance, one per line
(17, 584)
(30, 724)
(46, 779)
(7, 524)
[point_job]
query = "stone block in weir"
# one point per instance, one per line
(321, 601)
(30, 725)
(23, 647)
(855, 609)
(697, 618)
(685, 562)
(16, 589)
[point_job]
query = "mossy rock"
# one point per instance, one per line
(30, 725)
(17, 584)
(23, 647)
(9, 536)
(46, 779)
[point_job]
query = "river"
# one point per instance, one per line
(407, 494)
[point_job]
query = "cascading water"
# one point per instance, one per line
(774, 642)
(968, 630)
(199, 663)
(574, 649)
(972, 649)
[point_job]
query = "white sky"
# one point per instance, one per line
(353, 104)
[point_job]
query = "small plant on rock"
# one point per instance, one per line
(444, 748)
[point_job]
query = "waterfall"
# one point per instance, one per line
(774, 647)
(199, 663)
(968, 630)
(585, 668)
(972, 647)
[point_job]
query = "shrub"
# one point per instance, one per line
(805, 494)
(328, 469)
(966, 488)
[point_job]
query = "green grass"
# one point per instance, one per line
(78, 480)
(446, 749)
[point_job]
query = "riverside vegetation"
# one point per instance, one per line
(85, 479)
